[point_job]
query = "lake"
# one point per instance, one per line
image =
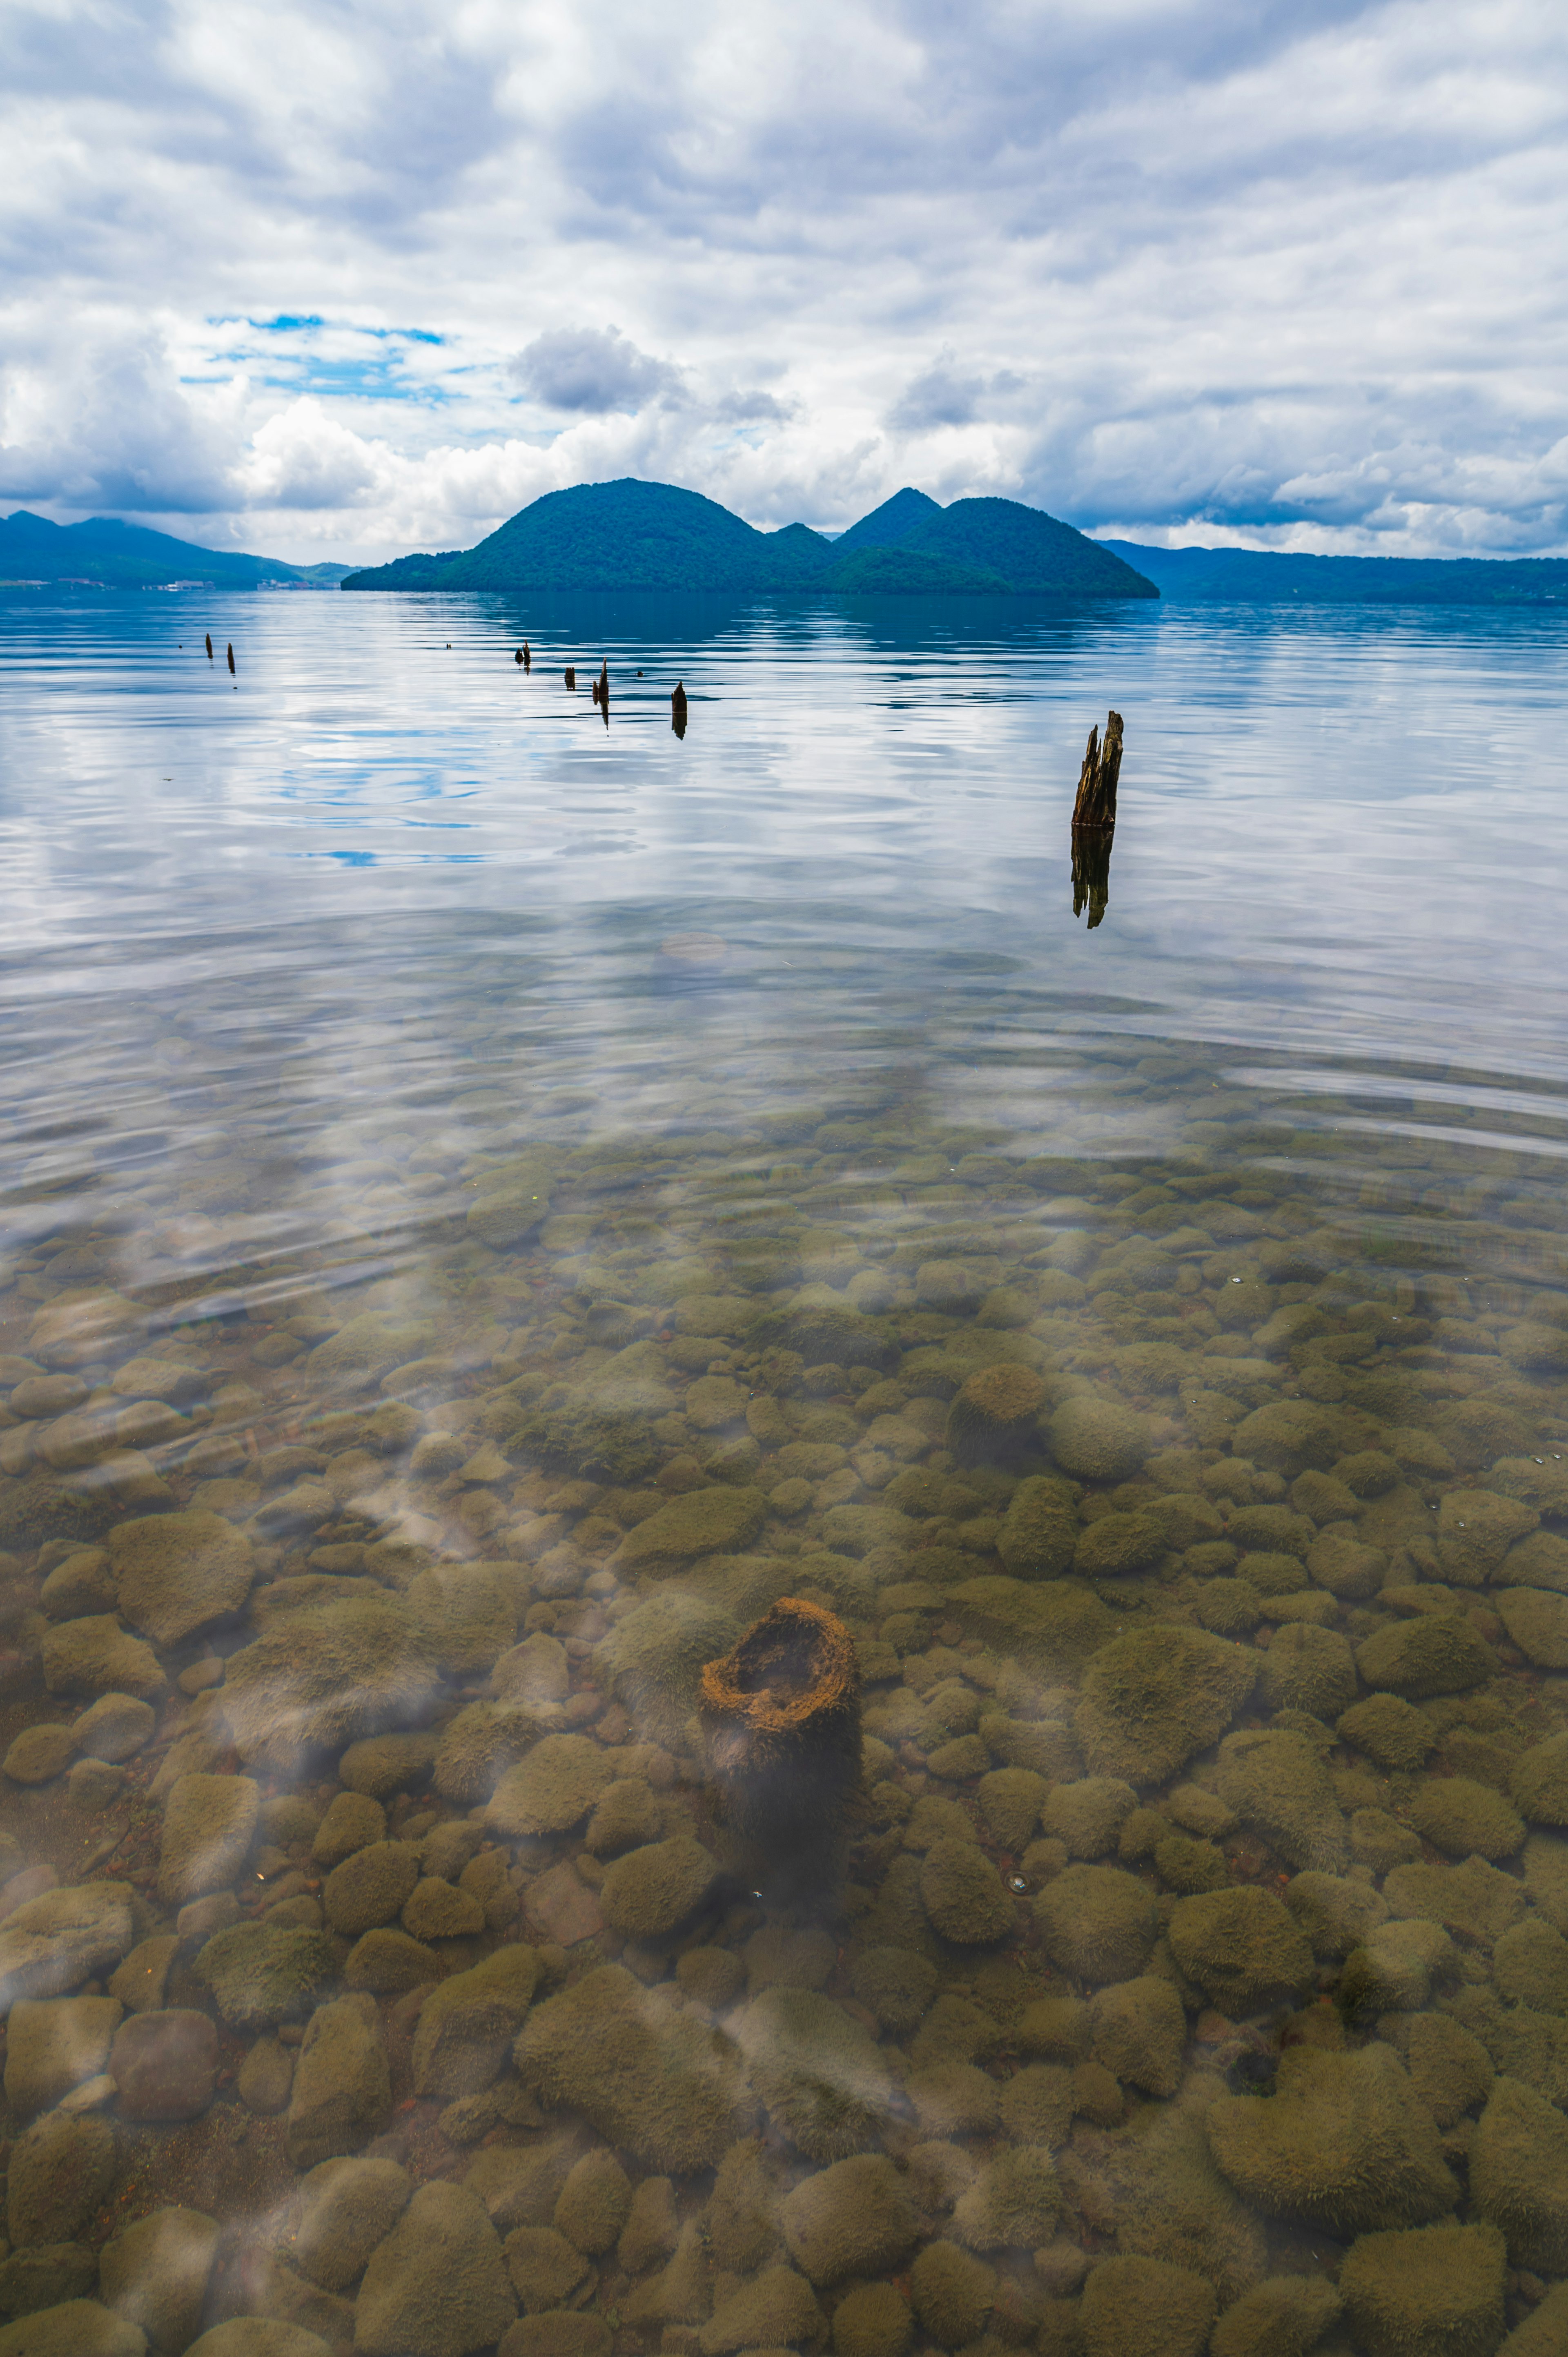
(495, 1194)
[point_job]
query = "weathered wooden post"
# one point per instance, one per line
(678, 709)
(1094, 821)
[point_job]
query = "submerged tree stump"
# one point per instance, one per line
(780, 1720)
(678, 709)
(572, 678)
(1096, 804)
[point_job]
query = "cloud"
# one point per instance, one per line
(593, 371)
(1288, 271)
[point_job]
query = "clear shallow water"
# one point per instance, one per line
(299, 968)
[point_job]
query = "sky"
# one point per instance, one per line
(333, 281)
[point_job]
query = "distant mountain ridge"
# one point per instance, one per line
(634, 535)
(104, 553)
(1253, 577)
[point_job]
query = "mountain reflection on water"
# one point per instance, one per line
(497, 1192)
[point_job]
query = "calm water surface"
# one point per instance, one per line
(475, 1174)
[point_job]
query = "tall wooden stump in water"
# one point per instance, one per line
(230, 661)
(1096, 804)
(780, 1720)
(572, 678)
(678, 709)
(1094, 821)
(209, 646)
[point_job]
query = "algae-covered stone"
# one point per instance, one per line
(1009, 1803)
(154, 2275)
(649, 1891)
(1243, 1947)
(552, 1789)
(994, 1418)
(476, 1749)
(954, 2294)
(1096, 1440)
(437, 2287)
(1538, 1624)
(385, 1764)
(60, 2170)
(1472, 1900)
(964, 1894)
(1396, 1969)
(1309, 1669)
(1450, 2070)
(1345, 1566)
(852, 2219)
(1435, 2292)
(1039, 1532)
(1277, 1782)
(544, 2267)
(896, 1984)
(262, 1974)
(655, 1657)
(95, 1657)
(1289, 1436)
(773, 2311)
(648, 2078)
(467, 1613)
(370, 1887)
(82, 2328)
(179, 1574)
(1155, 1696)
(1115, 1546)
(1518, 2175)
(1142, 2307)
(327, 1676)
(342, 2087)
(1476, 1529)
(1465, 1819)
(353, 1820)
(40, 1753)
(1098, 1923)
(872, 2321)
(1012, 2204)
(1049, 1628)
(210, 1823)
(513, 1200)
(1439, 1653)
(116, 1726)
(388, 1962)
(467, 2024)
(52, 2045)
(51, 1944)
(1538, 1784)
(1344, 2143)
(1283, 2316)
(1334, 1913)
(346, 2207)
(1138, 2031)
(1391, 1731)
(594, 2203)
(722, 1520)
(820, 2074)
(1088, 1815)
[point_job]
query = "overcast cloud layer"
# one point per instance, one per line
(335, 281)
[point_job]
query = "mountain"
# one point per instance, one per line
(102, 553)
(1251, 577)
(635, 535)
(893, 522)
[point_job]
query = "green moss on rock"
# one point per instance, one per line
(649, 2079)
(1157, 1696)
(1278, 1783)
(1242, 1947)
(1392, 1732)
(1098, 1923)
(1344, 2143)
(1096, 1440)
(1465, 1819)
(1438, 1653)
(820, 2074)
(1518, 2175)
(1435, 2292)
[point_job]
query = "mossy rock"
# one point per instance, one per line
(1278, 1783)
(964, 1896)
(1157, 1696)
(1097, 1440)
(994, 1415)
(656, 1655)
(1472, 1900)
(1242, 1947)
(820, 2074)
(1518, 2175)
(262, 1974)
(721, 1520)
(1142, 2307)
(1098, 1923)
(1116, 1545)
(1283, 2316)
(654, 2081)
(1437, 1653)
(325, 1677)
(1309, 1669)
(1438, 2288)
(1465, 1819)
(1039, 1532)
(1392, 1732)
(1050, 1628)
(1344, 2143)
